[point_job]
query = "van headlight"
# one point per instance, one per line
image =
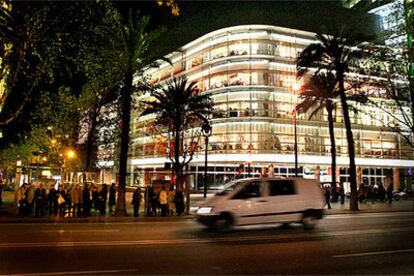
(204, 210)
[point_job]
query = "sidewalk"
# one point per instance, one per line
(406, 205)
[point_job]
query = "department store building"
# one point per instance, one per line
(249, 71)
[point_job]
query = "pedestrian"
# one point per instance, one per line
(375, 192)
(163, 201)
(171, 196)
(112, 199)
(95, 197)
(1, 192)
(335, 192)
(21, 200)
(30, 198)
(327, 194)
(86, 200)
(103, 196)
(179, 202)
(342, 193)
(68, 199)
(77, 200)
(381, 191)
(40, 200)
(153, 201)
(60, 197)
(136, 201)
(361, 192)
(51, 198)
(389, 192)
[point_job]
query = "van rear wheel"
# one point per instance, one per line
(309, 221)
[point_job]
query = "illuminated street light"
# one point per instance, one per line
(71, 154)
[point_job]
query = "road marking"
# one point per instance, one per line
(273, 238)
(373, 253)
(78, 272)
(77, 231)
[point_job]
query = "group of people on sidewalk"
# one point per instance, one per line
(374, 192)
(164, 202)
(84, 200)
(370, 192)
(66, 200)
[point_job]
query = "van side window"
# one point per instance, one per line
(281, 187)
(250, 190)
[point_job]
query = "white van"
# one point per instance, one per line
(264, 200)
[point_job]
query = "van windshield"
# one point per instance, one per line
(229, 187)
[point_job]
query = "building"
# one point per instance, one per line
(249, 69)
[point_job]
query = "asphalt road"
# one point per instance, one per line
(368, 243)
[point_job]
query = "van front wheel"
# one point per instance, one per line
(309, 221)
(223, 223)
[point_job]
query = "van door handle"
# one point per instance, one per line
(262, 200)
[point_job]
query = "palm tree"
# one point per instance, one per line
(318, 94)
(178, 106)
(135, 43)
(333, 55)
(15, 47)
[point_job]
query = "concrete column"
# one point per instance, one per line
(263, 172)
(131, 180)
(317, 171)
(359, 175)
(396, 178)
(271, 170)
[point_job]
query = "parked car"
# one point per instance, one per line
(263, 200)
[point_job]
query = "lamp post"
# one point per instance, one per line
(206, 131)
(295, 88)
(17, 181)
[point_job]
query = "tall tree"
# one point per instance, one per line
(317, 94)
(388, 66)
(134, 53)
(386, 86)
(333, 54)
(179, 107)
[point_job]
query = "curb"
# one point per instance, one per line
(93, 219)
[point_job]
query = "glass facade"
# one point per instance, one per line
(249, 72)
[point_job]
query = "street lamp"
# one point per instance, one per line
(206, 131)
(295, 88)
(68, 154)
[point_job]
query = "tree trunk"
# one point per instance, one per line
(329, 109)
(120, 210)
(353, 206)
(177, 157)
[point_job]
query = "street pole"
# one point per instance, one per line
(295, 88)
(205, 168)
(17, 183)
(296, 140)
(206, 131)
